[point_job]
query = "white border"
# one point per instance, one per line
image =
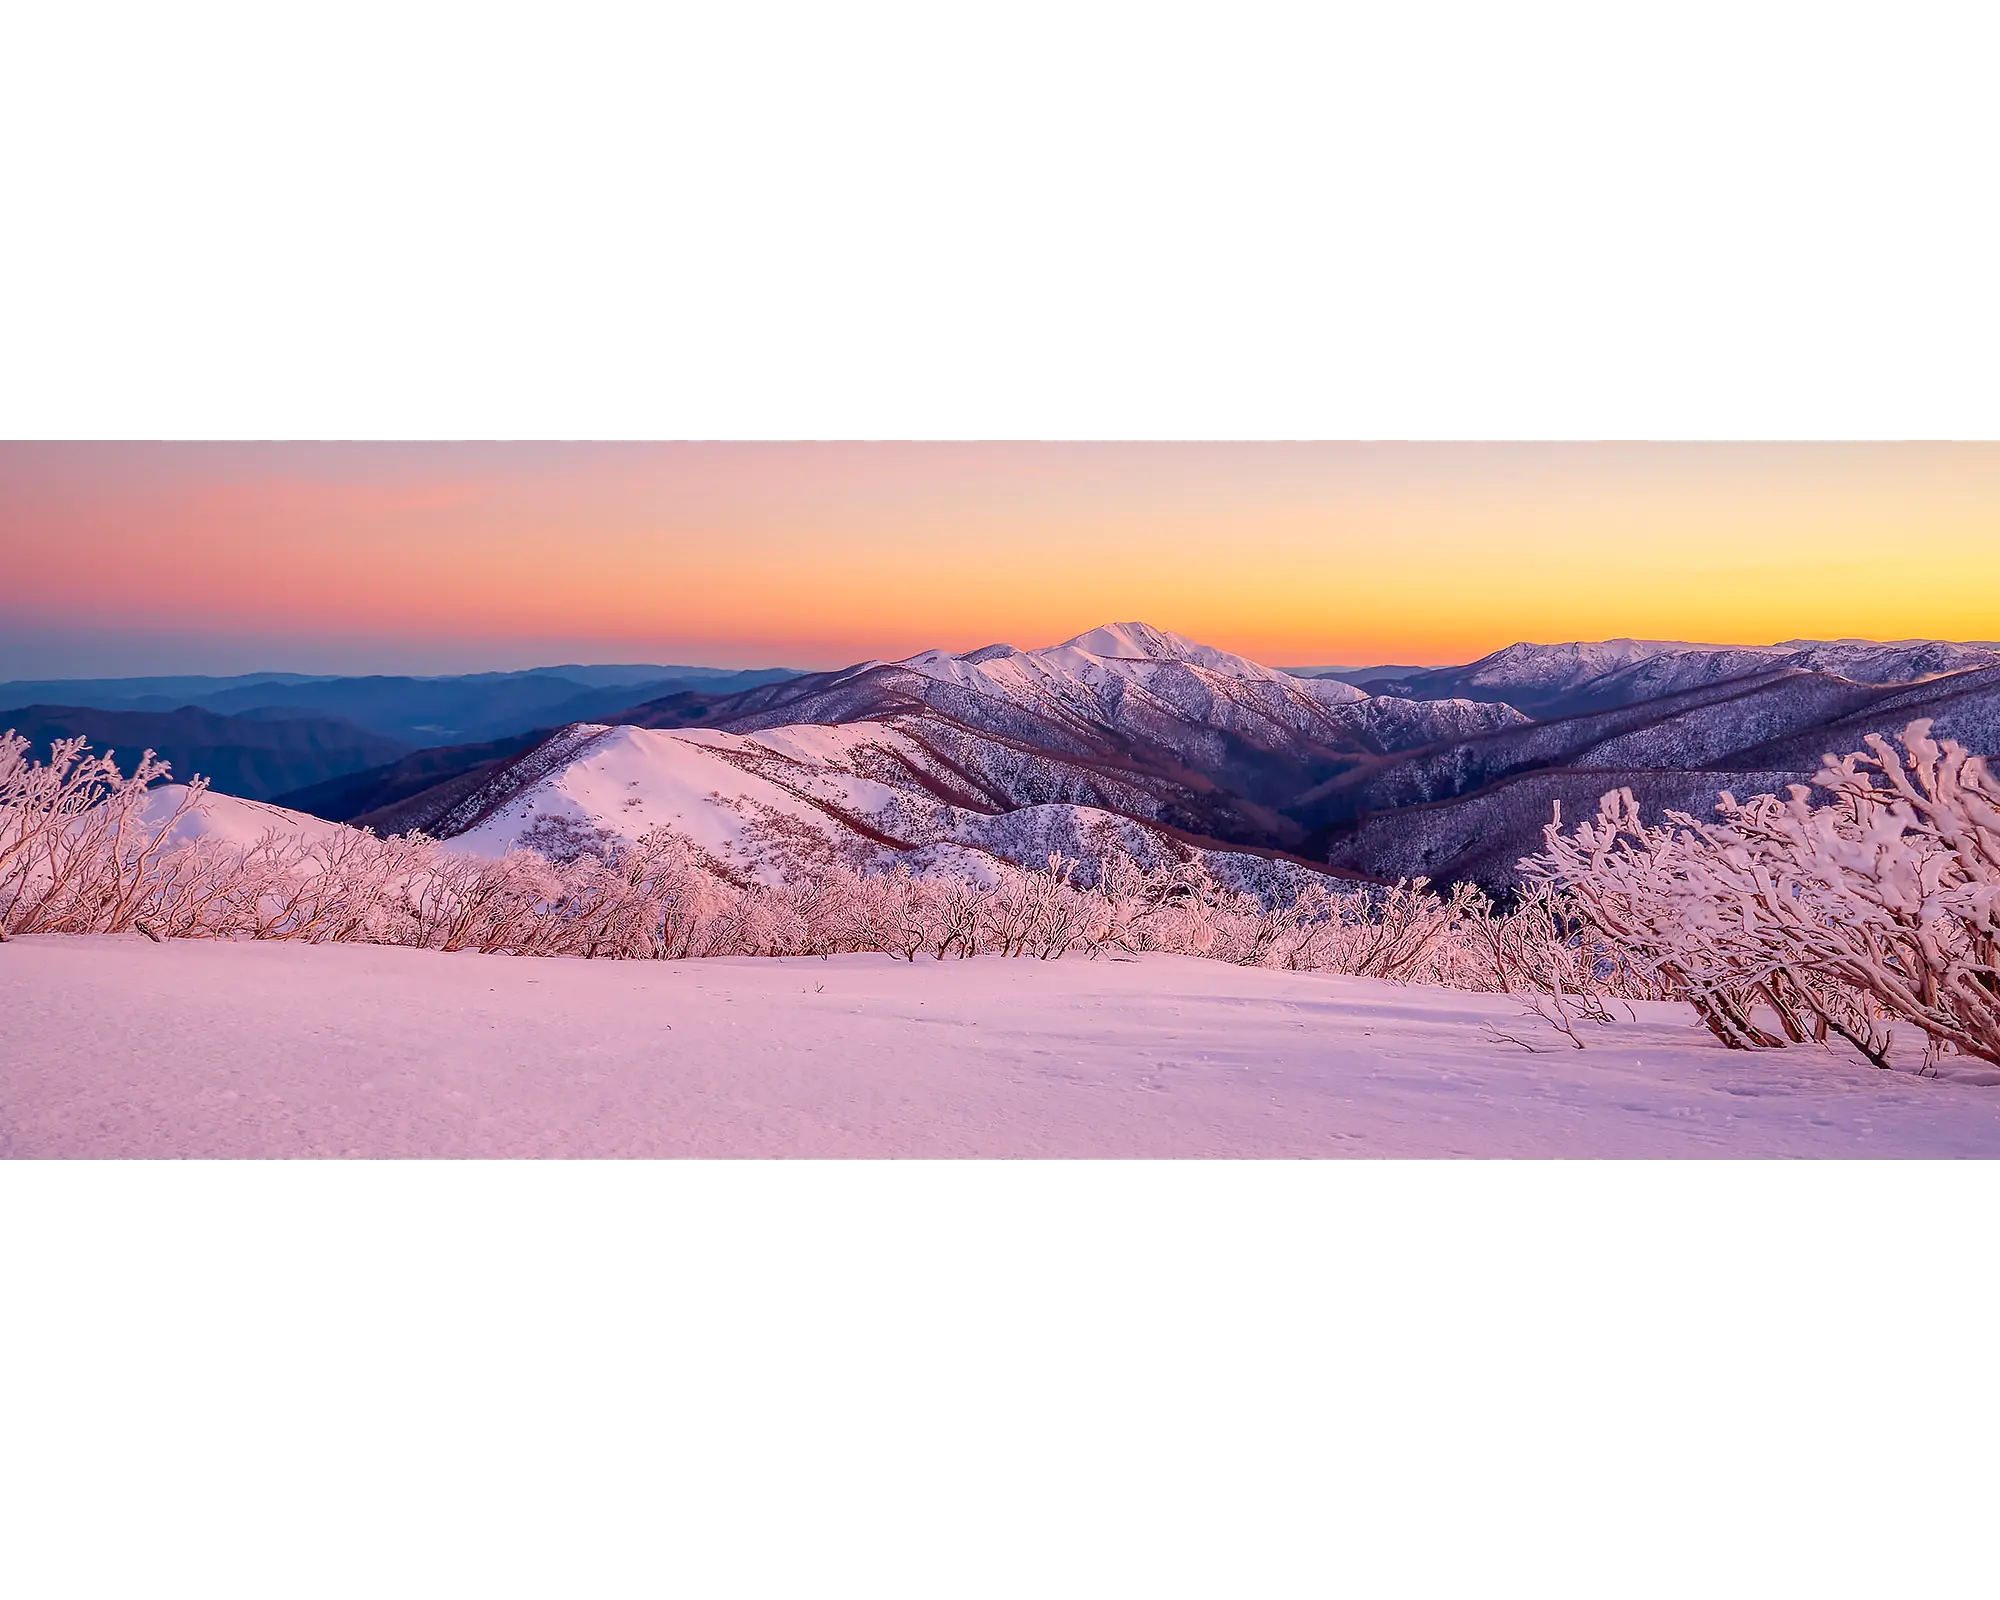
(771, 221)
(977, 1378)
(1723, 219)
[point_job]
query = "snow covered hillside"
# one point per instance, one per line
(227, 819)
(120, 1048)
(867, 794)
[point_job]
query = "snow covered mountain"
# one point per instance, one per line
(1554, 680)
(1167, 745)
(1473, 807)
(1126, 733)
(1536, 672)
(1126, 684)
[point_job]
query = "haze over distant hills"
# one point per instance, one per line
(256, 755)
(1360, 677)
(261, 734)
(1125, 732)
(419, 710)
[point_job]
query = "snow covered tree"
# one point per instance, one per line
(1883, 904)
(79, 845)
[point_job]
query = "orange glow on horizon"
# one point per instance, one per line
(820, 554)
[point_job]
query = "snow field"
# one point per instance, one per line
(115, 1047)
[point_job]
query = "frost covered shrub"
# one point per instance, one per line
(1882, 905)
(75, 856)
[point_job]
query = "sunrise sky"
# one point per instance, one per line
(150, 558)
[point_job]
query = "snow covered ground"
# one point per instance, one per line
(113, 1046)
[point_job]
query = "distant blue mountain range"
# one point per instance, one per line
(415, 711)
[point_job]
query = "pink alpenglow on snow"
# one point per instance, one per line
(118, 1047)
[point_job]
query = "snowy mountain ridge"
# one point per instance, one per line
(1551, 680)
(1473, 807)
(1097, 665)
(1139, 686)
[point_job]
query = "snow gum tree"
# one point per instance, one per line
(1880, 905)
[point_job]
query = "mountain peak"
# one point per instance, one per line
(1114, 641)
(1136, 641)
(1141, 641)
